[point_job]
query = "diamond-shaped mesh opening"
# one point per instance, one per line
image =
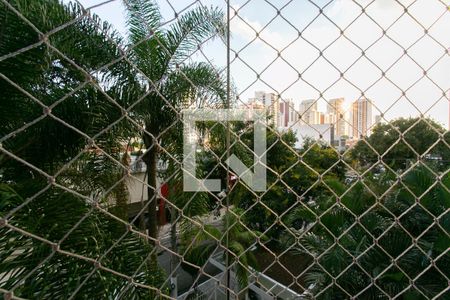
(163, 149)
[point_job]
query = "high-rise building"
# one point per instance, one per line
(335, 108)
(271, 103)
(361, 117)
(288, 115)
(309, 113)
(378, 119)
(253, 104)
(327, 118)
(310, 104)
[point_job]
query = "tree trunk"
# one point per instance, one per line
(121, 194)
(142, 225)
(174, 258)
(150, 159)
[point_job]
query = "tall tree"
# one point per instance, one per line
(54, 115)
(200, 242)
(182, 204)
(161, 79)
(404, 141)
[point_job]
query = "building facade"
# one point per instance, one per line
(309, 112)
(361, 118)
(288, 115)
(319, 132)
(271, 103)
(336, 115)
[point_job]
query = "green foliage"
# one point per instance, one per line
(189, 203)
(162, 60)
(364, 230)
(292, 175)
(60, 108)
(167, 80)
(200, 242)
(57, 87)
(34, 269)
(402, 142)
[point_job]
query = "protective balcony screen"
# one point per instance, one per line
(224, 149)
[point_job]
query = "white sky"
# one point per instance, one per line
(280, 33)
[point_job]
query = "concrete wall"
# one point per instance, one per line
(323, 132)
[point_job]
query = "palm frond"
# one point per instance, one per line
(191, 30)
(55, 275)
(143, 19)
(196, 84)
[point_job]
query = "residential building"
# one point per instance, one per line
(288, 116)
(309, 112)
(378, 119)
(336, 112)
(327, 118)
(361, 117)
(322, 132)
(253, 104)
(271, 103)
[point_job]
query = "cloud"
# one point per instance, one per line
(248, 29)
(280, 74)
(403, 31)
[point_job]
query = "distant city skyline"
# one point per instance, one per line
(323, 63)
(341, 121)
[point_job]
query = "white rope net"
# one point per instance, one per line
(357, 197)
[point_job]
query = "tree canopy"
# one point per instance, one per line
(404, 141)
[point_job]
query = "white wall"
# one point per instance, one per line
(313, 131)
(137, 187)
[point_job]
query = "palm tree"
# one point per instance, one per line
(167, 81)
(51, 221)
(190, 205)
(199, 243)
(373, 260)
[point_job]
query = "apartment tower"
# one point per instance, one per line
(272, 104)
(361, 117)
(335, 108)
(309, 112)
(288, 114)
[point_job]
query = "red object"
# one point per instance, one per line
(165, 190)
(162, 203)
(232, 178)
